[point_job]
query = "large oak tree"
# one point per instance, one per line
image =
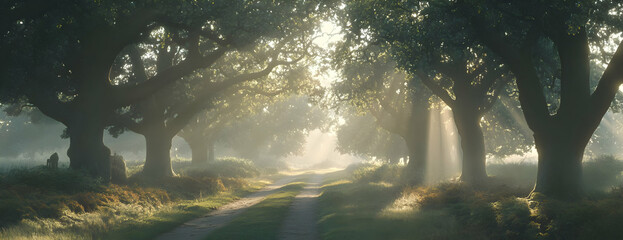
(63, 56)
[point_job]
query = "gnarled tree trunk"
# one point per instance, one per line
(474, 169)
(560, 164)
(86, 146)
(158, 154)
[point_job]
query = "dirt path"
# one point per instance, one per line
(199, 228)
(301, 220)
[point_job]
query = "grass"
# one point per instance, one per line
(42, 203)
(263, 220)
(363, 206)
(167, 219)
(122, 221)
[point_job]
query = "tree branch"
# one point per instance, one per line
(138, 65)
(607, 88)
(127, 94)
(209, 92)
(531, 94)
(436, 89)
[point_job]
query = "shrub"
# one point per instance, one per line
(47, 193)
(377, 173)
(183, 187)
(225, 168)
(53, 180)
(513, 217)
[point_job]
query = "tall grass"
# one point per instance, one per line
(42, 203)
(120, 221)
(355, 209)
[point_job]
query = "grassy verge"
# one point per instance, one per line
(120, 221)
(263, 220)
(41, 203)
(360, 207)
(167, 219)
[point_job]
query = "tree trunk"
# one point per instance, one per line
(158, 155)
(473, 146)
(417, 144)
(560, 165)
(198, 150)
(86, 146)
(211, 151)
(416, 168)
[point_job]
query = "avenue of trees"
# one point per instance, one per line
(516, 75)
(467, 52)
(69, 59)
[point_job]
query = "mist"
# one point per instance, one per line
(299, 119)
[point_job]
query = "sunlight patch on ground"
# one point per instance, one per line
(309, 171)
(382, 184)
(340, 182)
(406, 204)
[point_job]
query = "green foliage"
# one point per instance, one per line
(263, 220)
(362, 136)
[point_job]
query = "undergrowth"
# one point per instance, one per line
(365, 205)
(229, 167)
(43, 203)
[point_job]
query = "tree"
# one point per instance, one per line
(64, 55)
(517, 32)
(202, 133)
(455, 68)
(234, 116)
(163, 116)
(276, 130)
(360, 135)
(505, 129)
(373, 84)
